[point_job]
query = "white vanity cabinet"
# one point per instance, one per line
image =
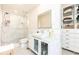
(70, 40)
(70, 33)
(39, 45)
(67, 40)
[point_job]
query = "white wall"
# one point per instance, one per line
(55, 44)
(0, 24)
(32, 16)
(32, 21)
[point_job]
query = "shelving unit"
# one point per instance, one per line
(77, 15)
(70, 28)
(68, 21)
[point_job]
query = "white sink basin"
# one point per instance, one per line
(41, 35)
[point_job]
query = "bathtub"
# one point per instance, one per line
(7, 49)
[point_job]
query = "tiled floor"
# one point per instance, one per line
(23, 51)
(66, 52)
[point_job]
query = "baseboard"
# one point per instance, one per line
(32, 51)
(71, 51)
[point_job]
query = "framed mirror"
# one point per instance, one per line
(44, 20)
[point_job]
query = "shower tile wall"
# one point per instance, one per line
(15, 30)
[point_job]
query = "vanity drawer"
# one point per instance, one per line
(68, 31)
(71, 31)
(71, 35)
(66, 45)
(66, 36)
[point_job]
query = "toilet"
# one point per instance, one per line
(23, 43)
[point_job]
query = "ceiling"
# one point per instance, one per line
(19, 8)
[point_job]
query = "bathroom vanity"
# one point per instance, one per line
(40, 39)
(40, 43)
(47, 21)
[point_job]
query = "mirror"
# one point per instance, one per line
(44, 20)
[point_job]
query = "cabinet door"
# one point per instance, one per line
(36, 45)
(44, 48)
